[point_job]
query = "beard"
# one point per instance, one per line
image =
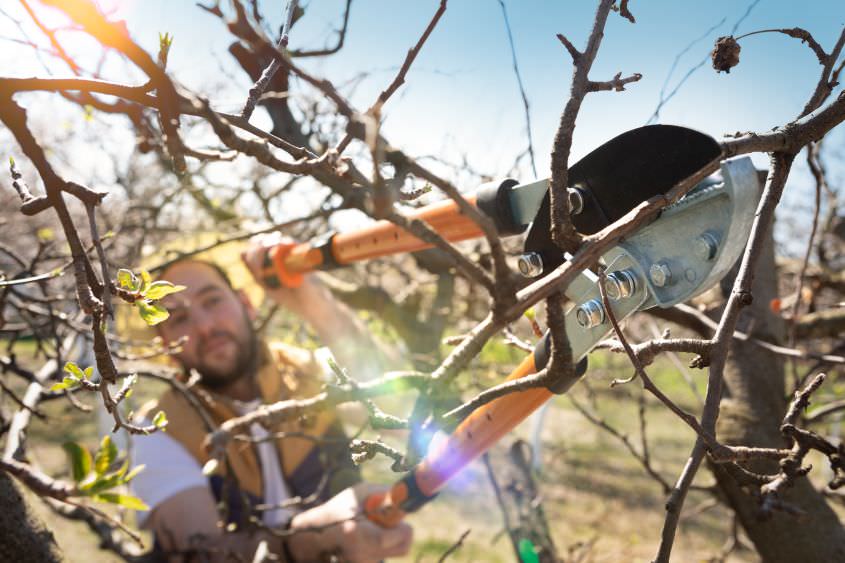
(216, 377)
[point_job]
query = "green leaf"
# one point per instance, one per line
(124, 467)
(146, 280)
(12, 161)
(80, 460)
(45, 234)
(161, 289)
(165, 40)
(135, 470)
(74, 370)
(87, 483)
(105, 455)
(152, 313)
(127, 280)
(89, 371)
(160, 420)
(97, 483)
(529, 314)
(67, 383)
(130, 502)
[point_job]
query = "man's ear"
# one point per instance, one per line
(248, 307)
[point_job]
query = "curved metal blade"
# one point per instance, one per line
(621, 174)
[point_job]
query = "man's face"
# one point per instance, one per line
(216, 320)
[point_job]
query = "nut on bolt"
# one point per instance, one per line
(621, 284)
(590, 314)
(530, 264)
(660, 274)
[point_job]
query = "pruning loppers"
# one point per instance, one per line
(686, 250)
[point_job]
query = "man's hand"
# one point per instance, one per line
(295, 299)
(339, 526)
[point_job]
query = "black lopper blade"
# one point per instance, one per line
(621, 174)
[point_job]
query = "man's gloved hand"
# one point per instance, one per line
(296, 299)
(340, 527)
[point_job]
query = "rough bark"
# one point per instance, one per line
(751, 414)
(23, 537)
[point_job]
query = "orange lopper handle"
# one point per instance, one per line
(480, 431)
(384, 238)
(385, 508)
(473, 436)
(285, 263)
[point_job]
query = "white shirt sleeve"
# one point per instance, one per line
(169, 469)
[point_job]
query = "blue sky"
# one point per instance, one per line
(461, 97)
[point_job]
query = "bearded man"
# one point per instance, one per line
(295, 480)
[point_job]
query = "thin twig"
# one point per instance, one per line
(640, 457)
(268, 73)
(341, 37)
(113, 521)
(455, 546)
(20, 402)
(500, 499)
(399, 79)
(525, 104)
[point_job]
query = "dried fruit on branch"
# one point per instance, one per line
(725, 54)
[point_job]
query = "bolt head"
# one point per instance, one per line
(705, 246)
(660, 274)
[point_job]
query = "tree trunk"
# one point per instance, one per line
(752, 411)
(23, 537)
